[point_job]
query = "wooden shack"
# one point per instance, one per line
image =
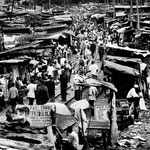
(104, 121)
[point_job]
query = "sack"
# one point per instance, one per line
(142, 104)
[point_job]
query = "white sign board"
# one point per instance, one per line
(101, 112)
(36, 115)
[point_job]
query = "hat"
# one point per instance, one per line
(136, 86)
(100, 42)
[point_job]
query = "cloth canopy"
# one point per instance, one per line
(56, 36)
(126, 48)
(121, 68)
(125, 59)
(11, 61)
(95, 82)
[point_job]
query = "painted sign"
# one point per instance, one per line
(101, 112)
(36, 115)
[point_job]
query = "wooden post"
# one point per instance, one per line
(104, 140)
(55, 115)
(105, 5)
(12, 6)
(114, 127)
(82, 123)
(51, 136)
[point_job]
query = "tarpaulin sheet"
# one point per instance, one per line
(143, 53)
(95, 82)
(121, 68)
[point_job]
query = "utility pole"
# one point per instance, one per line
(49, 6)
(137, 11)
(114, 11)
(13, 1)
(131, 12)
(64, 2)
(105, 5)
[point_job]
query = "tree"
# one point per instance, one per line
(33, 20)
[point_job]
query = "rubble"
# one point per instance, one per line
(137, 135)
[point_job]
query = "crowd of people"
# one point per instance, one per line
(84, 58)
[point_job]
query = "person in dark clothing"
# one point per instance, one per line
(50, 84)
(101, 50)
(2, 102)
(10, 81)
(42, 96)
(63, 85)
(93, 48)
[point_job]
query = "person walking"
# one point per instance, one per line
(31, 92)
(92, 98)
(42, 96)
(50, 84)
(63, 85)
(13, 94)
(18, 83)
(93, 48)
(93, 69)
(101, 51)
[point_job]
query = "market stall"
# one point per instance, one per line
(102, 127)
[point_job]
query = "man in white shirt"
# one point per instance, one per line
(133, 98)
(50, 70)
(93, 68)
(31, 92)
(73, 139)
(62, 61)
(133, 92)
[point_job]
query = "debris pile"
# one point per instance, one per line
(136, 135)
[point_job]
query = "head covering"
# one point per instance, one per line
(136, 86)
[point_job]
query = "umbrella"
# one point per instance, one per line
(81, 104)
(80, 36)
(60, 108)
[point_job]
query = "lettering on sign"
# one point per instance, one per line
(101, 112)
(36, 115)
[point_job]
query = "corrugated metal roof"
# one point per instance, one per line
(31, 45)
(11, 61)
